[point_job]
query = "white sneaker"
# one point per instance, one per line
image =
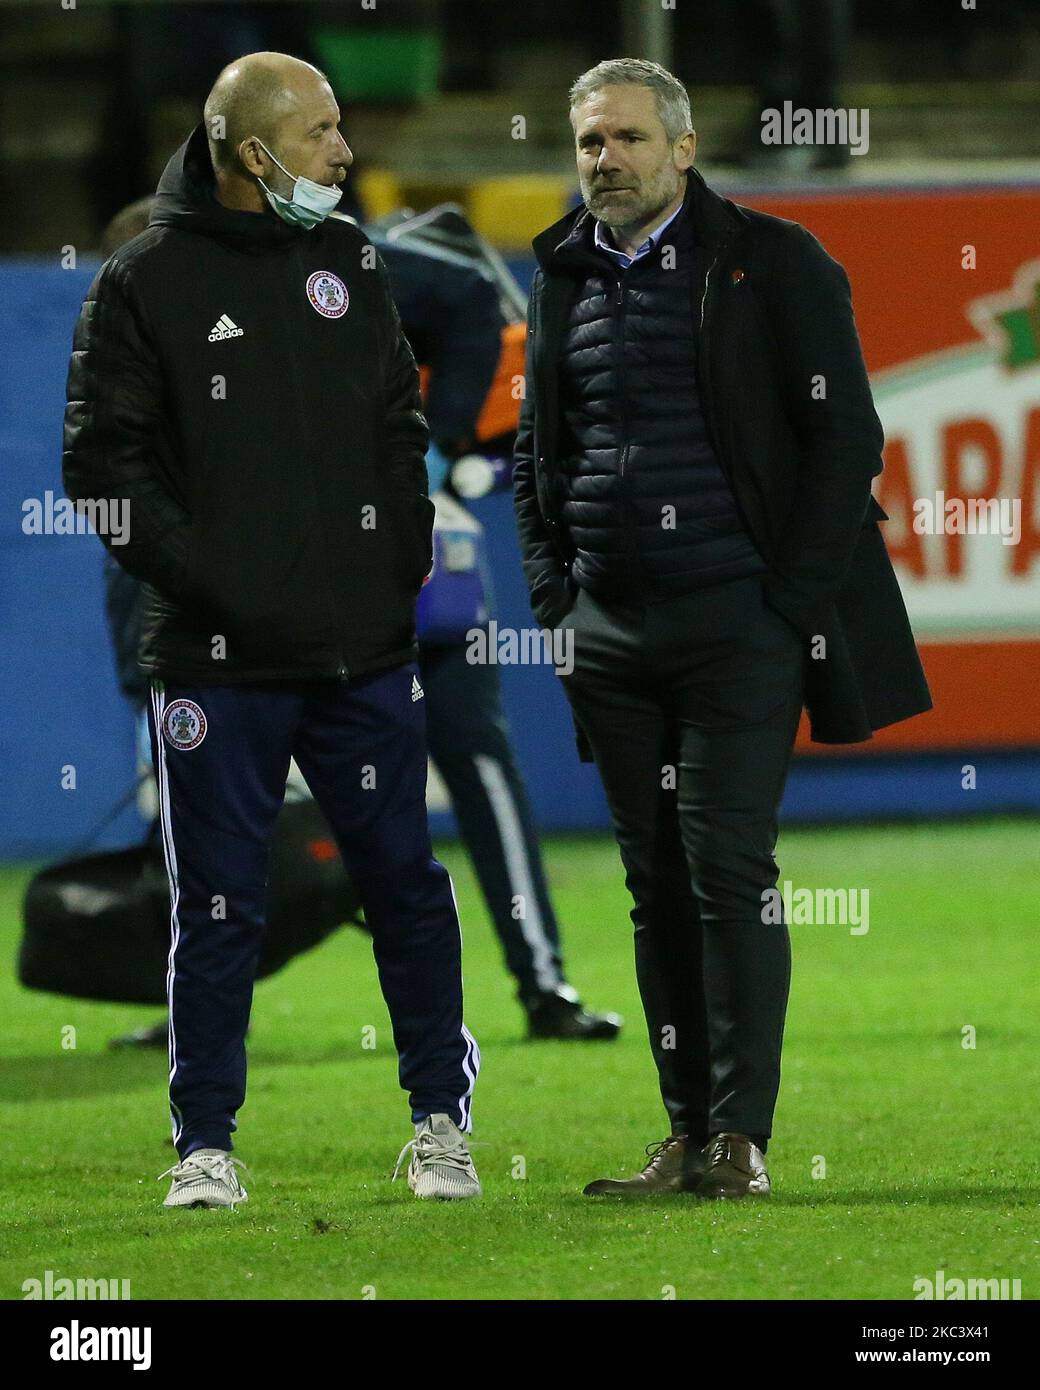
(206, 1178)
(441, 1165)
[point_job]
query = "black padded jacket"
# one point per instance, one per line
(244, 390)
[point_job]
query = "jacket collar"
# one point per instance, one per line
(715, 218)
(186, 197)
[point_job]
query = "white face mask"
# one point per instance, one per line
(310, 202)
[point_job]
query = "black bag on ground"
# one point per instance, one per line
(98, 927)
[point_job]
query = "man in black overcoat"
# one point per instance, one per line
(693, 496)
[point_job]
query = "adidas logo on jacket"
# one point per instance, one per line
(276, 480)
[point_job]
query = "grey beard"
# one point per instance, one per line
(639, 219)
(636, 218)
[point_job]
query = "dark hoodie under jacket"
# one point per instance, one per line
(244, 388)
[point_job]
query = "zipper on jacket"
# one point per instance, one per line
(707, 281)
(704, 374)
(619, 301)
(707, 406)
(630, 540)
(342, 671)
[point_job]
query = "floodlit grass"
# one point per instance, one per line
(929, 1147)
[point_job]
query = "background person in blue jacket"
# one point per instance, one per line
(451, 316)
(452, 319)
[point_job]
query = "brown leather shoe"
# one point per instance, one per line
(734, 1167)
(674, 1165)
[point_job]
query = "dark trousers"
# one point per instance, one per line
(221, 756)
(690, 707)
(469, 743)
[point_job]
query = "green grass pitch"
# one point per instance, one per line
(930, 1147)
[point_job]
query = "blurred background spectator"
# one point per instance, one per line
(94, 98)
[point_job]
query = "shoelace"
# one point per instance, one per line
(656, 1151)
(455, 1155)
(215, 1167)
(722, 1150)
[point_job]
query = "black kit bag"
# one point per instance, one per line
(98, 926)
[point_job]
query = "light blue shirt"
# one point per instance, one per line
(648, 245)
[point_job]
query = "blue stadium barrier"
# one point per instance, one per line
(62, 712)
(60, 706)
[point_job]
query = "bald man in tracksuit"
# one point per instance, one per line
(241, 383)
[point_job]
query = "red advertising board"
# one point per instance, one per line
(946, 287)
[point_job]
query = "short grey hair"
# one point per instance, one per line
(670, 96)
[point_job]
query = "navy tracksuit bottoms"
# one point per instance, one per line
(221, 755)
